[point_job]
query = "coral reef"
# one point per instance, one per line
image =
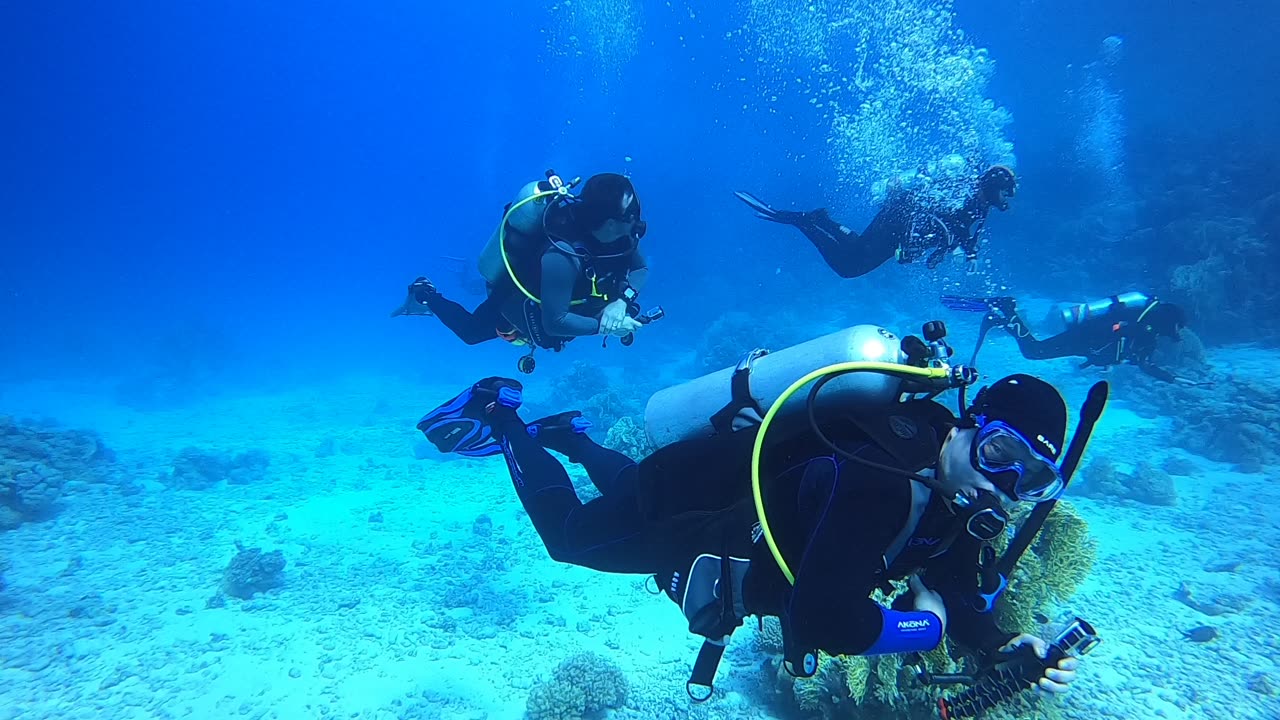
(1057, 562)
(628, 437)
(858, 687)
(736, 333)
(1152, 486)
(582, 686)
(1234, 422)
(583, 381)
(768, 638)
(608, 407)
(37, 463)
(252, 571)
(1147, 484)
(27, 490)
(196, 469)
(1205, 234)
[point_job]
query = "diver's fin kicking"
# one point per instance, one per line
(461, 425)
(415, 299)
(763, 211)
(1000, 311)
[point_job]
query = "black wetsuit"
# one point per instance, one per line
(902, 228)
(838, 523)
(574, 288)
(1114, 338)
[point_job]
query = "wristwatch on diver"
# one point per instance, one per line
(629, 296)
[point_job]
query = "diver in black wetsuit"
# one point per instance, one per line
(904, 228)
(851, 521)
(554, 270)
(1114, 331)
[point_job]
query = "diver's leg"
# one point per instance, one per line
(566, 433)
(844, 251)
(607, 534)
(472, 327)
(1065, 344)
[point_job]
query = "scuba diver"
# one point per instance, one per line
(874, 489)
(558, 266)
(1112, 331)
(905, 227)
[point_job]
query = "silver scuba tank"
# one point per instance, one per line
(685, 411)
(525, 225)
(1078, 314)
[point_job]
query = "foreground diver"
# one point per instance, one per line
(904, 228)
(557, 267)
(864, 497)
(1113, 331)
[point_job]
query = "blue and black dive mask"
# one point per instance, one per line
(1004, 457)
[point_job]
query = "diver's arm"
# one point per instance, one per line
(954, 576)
(559, 274)
(638, 272)
(1156, 371)
(829, 607)
(972, 235)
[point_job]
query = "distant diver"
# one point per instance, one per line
(1112, 331)
(904, 228)
(863, 489)
(558, 266)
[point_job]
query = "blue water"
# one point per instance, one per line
(208, 211)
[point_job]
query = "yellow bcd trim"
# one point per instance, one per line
(506, 260)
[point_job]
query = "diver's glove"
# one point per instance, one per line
(415, 302)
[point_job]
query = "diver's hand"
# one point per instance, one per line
(611, 320)
(927, 600)
(415, 300)
(971, 265)
(626, 327)
(1056, 679)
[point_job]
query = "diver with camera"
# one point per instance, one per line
(557, 267)
(762, 501)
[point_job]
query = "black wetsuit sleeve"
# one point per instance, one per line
(852, 523)
(969, 231)
(638, 272)
(970, 243)
(559, 275)
(1156, 371)
(954, 576)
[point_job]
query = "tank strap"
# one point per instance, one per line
(742, 404)
(919, 501)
